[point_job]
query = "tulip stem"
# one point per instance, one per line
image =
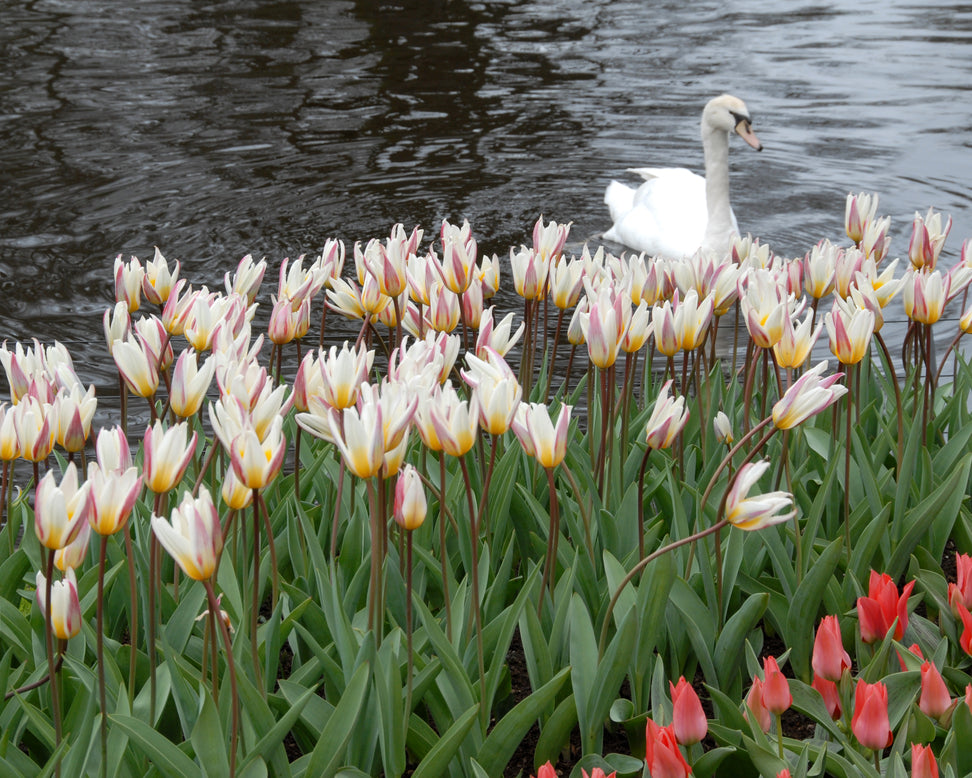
(274, 572)
(585, 514)
(474, 542)
(443, 552)
(602, 642)
(133, 616)
(100, 643)
(255, 609)
(641, 503)
(51, 670)
(847, 459)
(231, 665)
(779, 733)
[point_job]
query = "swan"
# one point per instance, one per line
(675, 211)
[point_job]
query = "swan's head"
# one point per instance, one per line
(730, 114)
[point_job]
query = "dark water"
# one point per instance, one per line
(218, 129)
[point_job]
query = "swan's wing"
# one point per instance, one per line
(666, 216)
(649, 173)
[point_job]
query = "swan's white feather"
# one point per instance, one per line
(665, 216)
(675, 211)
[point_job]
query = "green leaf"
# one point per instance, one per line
(806, 604)
(697, 621)
(208, 739)
(555, 735)
(940, 506)
(333, 740)
(707, 764)
(728, 648)
(278, 732)
(164, 754)
(508, 733)
(388, 686)
(437, 760)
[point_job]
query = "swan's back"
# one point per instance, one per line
(665, 216)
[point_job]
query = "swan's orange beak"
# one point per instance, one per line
(745, 131)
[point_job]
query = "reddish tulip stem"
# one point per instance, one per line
(51, 669)
(255, 610)
(443, 552)
(100, 643)
(231, 664)
(133, 616)
(274, 572)
(477, 615)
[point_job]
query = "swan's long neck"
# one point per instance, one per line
(719, 225)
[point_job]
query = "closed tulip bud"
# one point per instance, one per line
(257, 461)
(193, 536)
(784, 773)
(923, 764)
(167, 455)
(190, 383)
(935, 699)
(359, 438)
(668, 418)
(662, 754)
(546, 771)
(688, 718)
(73, 554)
(234, 492)
(112, 451)
(74, 410)
(878, 611)
(529, 270)
(925, 296)
(549, 238)
(927, 238)
(870, 720)
(859, 210)
(796, 343)
(65, 605)
(831, 696)
(117, 323)
(820, 267)
(9, 439)
(663, 325)
(456, 421)
(597, 772)
(410, 502)
(754, 701)
(723, 428)
(36, 429)
(776, 689)
(541, 438)
(830, 660)
(961, 590)
(965, 640)
(283, 322)
(692, 318)
(61, 509)
(444, 309)
(113, 493)
(850, 330)
(137, 366)
(128, 282)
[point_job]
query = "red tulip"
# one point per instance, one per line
(688, 718)
(830, 660)
(881, 607)
(776, 689)
(662, 754)
(923, 764)
(755, 702)
(784, 773)
(597, 772)
(870, 720)
(831, 696)
(961, 590)
(935, 699)
(546, 771)
(966, 639)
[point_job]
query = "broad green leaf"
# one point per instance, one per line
(438, 759)
(165, 755)
(208, 739)
(806, 605)
(333, 739)
(506, 736)
(728, 652)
